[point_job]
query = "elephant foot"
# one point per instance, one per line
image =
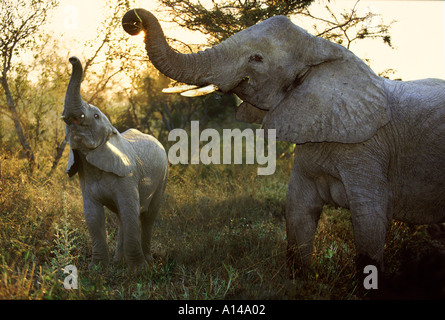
(296, 264)
(137, 268)
(149, 258)
(118, 258)
(98, 265)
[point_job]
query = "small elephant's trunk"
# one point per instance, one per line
(74, 105)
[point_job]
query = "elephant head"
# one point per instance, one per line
(305, 87)
(90, 133)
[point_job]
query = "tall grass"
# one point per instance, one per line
(220, 235)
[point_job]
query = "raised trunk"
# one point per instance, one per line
(194, 68)
(74, 105)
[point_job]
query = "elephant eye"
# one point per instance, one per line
(256, 58)
(96, 116)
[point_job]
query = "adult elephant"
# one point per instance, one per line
(365, 143)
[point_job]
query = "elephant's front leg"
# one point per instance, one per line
(303, 209)
(147, 220)
(369, 221)
(130, 229)
(95, 219)
(369, 200)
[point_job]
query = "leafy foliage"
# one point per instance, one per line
(65, 241)
(225, 18)
(19, 22)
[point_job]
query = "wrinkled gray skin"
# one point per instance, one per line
(365, 143)
(125, 172)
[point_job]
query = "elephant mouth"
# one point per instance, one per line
(245, 91)
(82, 140)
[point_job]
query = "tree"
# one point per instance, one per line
(106, 57)
(103, 60)
(19, 22)
(221, 19)
(225, 18)
(35, 86)
(348, 26)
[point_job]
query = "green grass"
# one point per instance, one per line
(220, 235)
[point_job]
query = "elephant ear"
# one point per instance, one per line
(73, 163)
(339, 100)
(114, 156)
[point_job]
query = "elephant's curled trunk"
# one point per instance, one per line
(194, 68)
(73, 101)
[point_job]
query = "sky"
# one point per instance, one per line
(418, 34)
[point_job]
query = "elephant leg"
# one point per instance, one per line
(370, 205)
(147, 221)
(119, 252)
(303, 210)
(370, 222)
(131, 232)
(95, 218)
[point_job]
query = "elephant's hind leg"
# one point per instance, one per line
(119, 252)
(148, 218)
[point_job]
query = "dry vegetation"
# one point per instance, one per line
(221, 235)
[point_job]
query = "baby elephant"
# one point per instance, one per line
(125, 172)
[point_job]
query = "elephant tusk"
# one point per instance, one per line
(179, 89)
(200, 91)
(191, 90)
